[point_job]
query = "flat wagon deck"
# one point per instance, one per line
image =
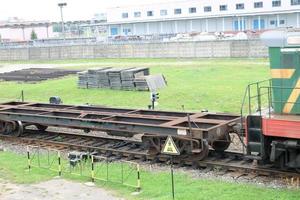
(198, 130)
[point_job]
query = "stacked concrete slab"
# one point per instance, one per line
(93, 81)
(114, 78)
(83, 79)
(103, 78)
(128, 77)
(141, 83)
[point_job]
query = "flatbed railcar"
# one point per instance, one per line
(193, 132)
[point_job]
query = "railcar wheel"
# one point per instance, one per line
(11, 128)
(221, 145)
(18, 129)
(2, 127)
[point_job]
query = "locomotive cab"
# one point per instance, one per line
(273, 130)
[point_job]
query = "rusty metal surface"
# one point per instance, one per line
(196, 125)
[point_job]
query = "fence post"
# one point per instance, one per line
(122, 172)
(39, 163)
(80, 166)
(107, 169)
(59, 163)
(138, 178)
(22, 95)
(28, 159)
(93, 172)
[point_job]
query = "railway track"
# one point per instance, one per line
(117, 148)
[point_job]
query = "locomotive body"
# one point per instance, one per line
(273, 132)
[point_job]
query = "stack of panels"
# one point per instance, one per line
(126, 79)
(103, 78)
(82, 79)
(141, 83)
(129, 75)
(93, 80)
(114, 76)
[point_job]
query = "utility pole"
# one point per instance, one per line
(61, 5)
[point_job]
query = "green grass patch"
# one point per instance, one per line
(155, 185)
(214, 84)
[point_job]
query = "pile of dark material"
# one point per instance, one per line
(35, 74)
(114, 78)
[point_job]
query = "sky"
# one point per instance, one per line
(48, 9)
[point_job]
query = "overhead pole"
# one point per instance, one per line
(61, 5)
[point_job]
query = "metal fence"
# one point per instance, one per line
(92, 167)
(49, 42)
(129, 39)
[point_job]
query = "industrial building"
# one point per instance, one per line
(15, 29)
(203, 16)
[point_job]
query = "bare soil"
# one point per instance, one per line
(55, 189)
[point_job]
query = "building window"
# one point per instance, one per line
(207, 9)
(124, 15)
(240, 6)
(114, 31)
(295, 2)
(256, 24)
(273, 22)
(127, 31)
(223, 7)
(163, 12)
(239, 25)
(177, 11)
(192, 10)
(282, 21)
(150, 13)
(276, 3)
(258, 4)
(137, 14)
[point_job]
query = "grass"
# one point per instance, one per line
(155, 185)
(213, 84)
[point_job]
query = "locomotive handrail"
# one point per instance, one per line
(271, 101)
(248, 94)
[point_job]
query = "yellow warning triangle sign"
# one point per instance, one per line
(170, 147)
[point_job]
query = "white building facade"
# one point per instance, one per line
(203, 16)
